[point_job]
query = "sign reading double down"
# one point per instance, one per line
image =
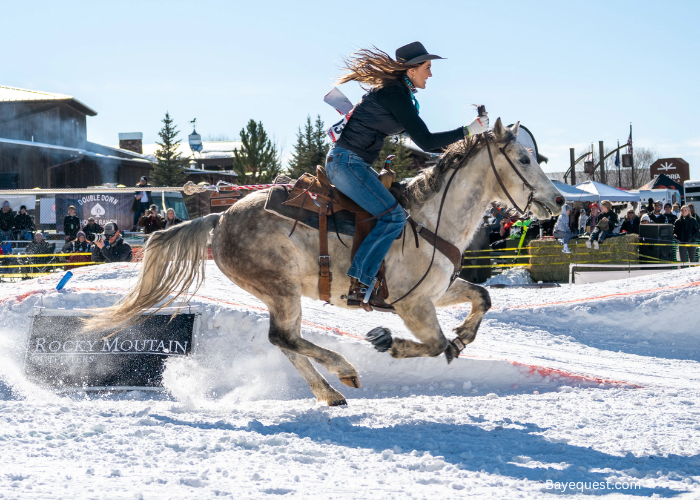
(59, 355)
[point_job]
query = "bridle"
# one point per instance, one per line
(461, 165)
(533, 190)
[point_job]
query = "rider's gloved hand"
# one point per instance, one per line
(478, 125)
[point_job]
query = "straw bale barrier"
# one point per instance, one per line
(549, 263)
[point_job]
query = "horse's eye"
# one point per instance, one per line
(525, 160)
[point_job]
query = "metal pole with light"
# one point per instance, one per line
(195, 140)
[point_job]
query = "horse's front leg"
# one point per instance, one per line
(420, 317)
(460, 292)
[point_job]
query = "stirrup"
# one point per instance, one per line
(368, 298)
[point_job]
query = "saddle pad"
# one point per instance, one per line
(279, 194)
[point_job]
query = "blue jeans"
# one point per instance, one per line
(599, 235)
(356, 179)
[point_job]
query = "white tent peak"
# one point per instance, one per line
(606, 192)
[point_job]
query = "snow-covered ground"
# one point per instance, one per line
(595, 388)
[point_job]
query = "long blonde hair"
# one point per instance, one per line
(372, 67)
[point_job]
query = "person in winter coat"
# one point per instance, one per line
(631, 223)
(112, 248)
(686, 230)
(23, 224)
(91, 229)
(562, 230)
(594, 217)
(39, 246)
(7, 220)
(669, 218)
(656, 216)
(582, 221)
(71, 224)
(170, 219)
(695, 215)
(78, 245)
(150, 222)
(605, 226)
(390, 107)
(141, 200)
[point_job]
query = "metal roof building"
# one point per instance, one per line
(43, 143)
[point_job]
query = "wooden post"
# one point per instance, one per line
(572, 157)
(601, 154)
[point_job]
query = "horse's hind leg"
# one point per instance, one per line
(460, 292)
(285, 333)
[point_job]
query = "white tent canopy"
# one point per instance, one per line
(572, 194)
(605, 192)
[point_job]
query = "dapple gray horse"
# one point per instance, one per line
(253, 248)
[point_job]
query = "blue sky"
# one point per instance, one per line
(572, 72)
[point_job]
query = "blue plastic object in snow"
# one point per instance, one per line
(64, 280)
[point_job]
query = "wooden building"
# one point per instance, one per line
(43, 143)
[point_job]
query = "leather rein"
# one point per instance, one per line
(462, 164)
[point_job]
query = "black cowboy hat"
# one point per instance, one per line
(414, 53)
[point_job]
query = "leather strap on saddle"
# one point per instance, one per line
(324, 259)
(443, 246)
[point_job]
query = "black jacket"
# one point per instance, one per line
(389, 111)
(23, 222)
(71, 226)
(76, 247)
(119, 252)
(686, 229)
(612, 218)
(7, 219)
(631, 227)
(151, 224)
(95, 229)
(668, 218)
(657, 219)
(168, 223)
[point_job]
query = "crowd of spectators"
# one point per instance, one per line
(103, 244)
(597, 222)
(15, 226)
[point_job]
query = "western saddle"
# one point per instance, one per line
(318, 195)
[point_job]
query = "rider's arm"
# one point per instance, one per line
(401, 106)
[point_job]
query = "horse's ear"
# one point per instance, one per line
(515, 128)
(498, 129)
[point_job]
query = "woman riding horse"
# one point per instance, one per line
(389, 108)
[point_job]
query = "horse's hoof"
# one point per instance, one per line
(339, 402)
(351, 382)
(380, 338)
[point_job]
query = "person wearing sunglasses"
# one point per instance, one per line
(110, 246)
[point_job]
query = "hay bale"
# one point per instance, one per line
(549, 263)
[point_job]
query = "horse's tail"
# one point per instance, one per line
(173, 261)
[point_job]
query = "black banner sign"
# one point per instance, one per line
(60, 356)
(104, 207)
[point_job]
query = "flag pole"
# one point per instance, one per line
(634, 180)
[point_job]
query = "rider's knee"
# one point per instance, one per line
(397, 215)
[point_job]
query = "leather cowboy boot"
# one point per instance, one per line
(357, 297)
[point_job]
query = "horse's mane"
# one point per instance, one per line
(429, 180)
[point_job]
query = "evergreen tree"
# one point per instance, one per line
(169, 169)
(402, 164)
(257, 161)
(310, 149)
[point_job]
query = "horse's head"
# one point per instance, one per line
(523, 180)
